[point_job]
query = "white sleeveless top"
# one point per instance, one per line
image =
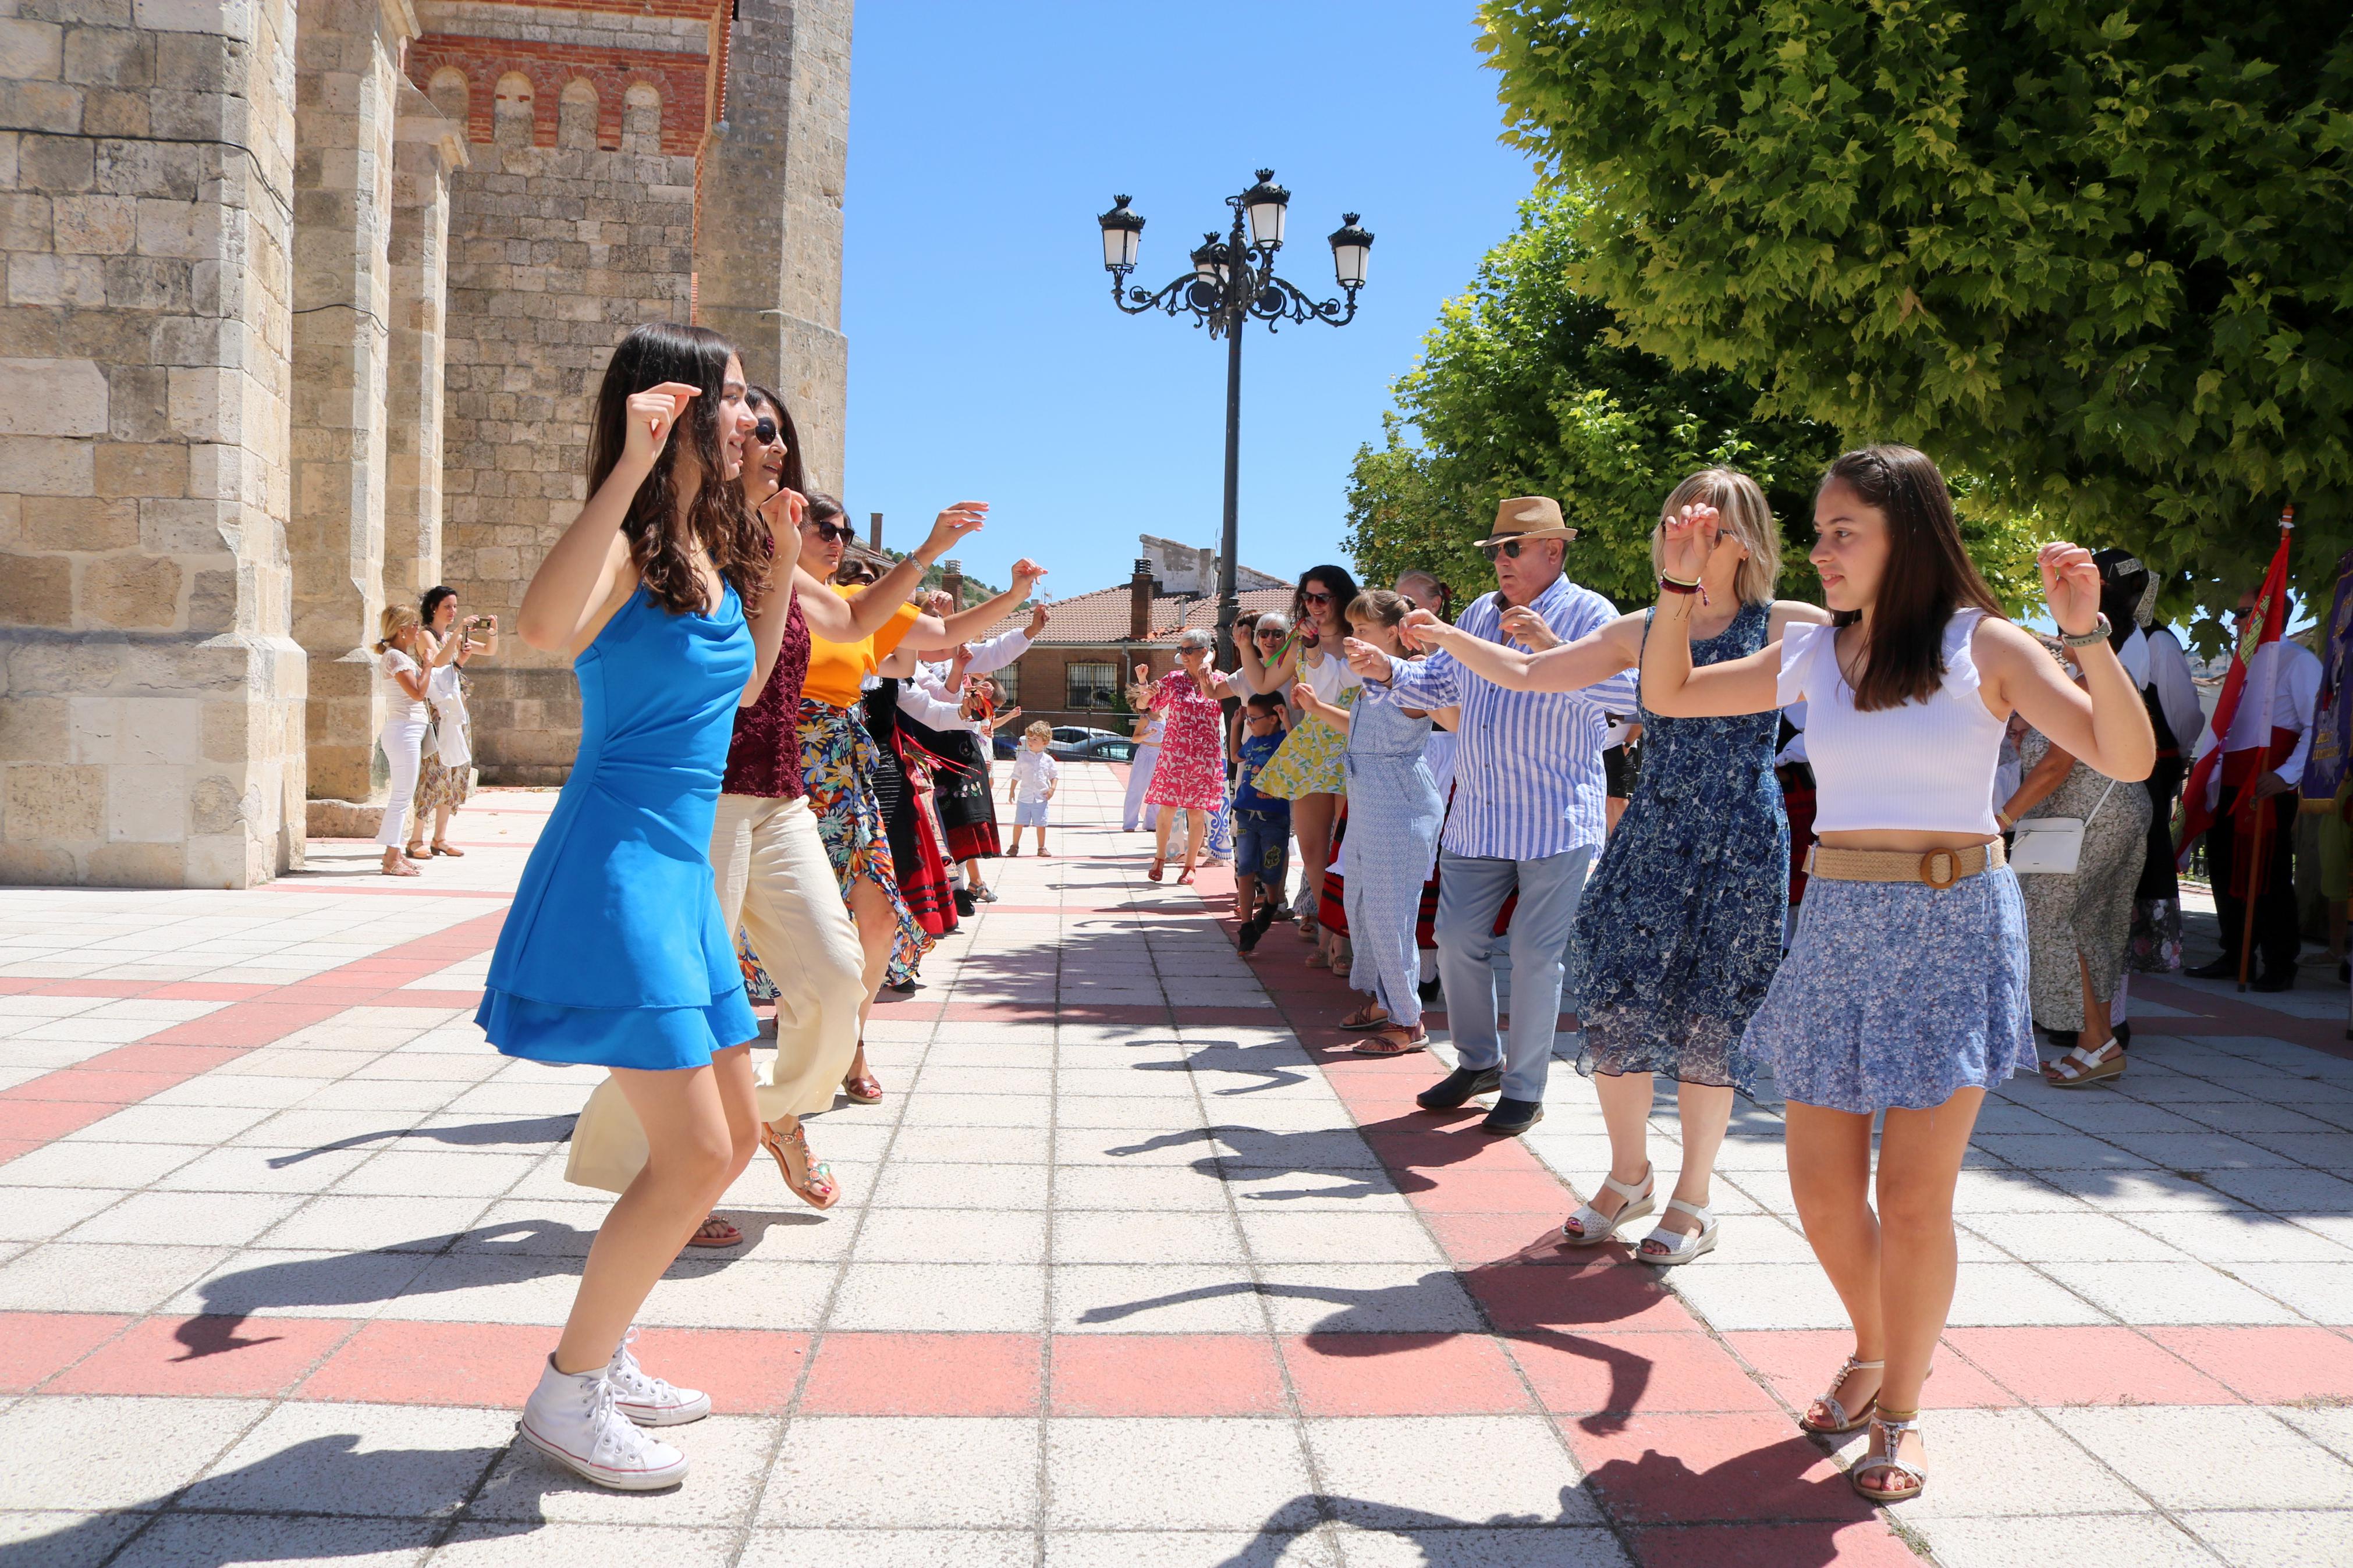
(1925, 767)
(1329, 675)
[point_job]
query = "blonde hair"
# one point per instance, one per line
(1037, 729)
(1381, 605)
(1742, 513)
(395, 619)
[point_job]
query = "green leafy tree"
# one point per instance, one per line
(2098, 255)
(1523, 388)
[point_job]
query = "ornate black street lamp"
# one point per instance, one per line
(1231, 281)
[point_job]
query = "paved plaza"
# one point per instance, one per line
(1133, 1268)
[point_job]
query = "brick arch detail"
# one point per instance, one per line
(682, 80)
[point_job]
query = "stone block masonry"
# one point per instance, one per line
(305, 309)
(152, 694)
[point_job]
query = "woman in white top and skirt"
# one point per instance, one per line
(1904, 991)
(401, 652)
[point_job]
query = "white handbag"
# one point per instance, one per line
(2052, 844)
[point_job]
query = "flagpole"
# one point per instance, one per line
(2261, 806)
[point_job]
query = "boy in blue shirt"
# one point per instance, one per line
(1262, 823)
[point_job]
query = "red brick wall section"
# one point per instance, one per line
(682, 80)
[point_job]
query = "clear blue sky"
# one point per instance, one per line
(986, 360)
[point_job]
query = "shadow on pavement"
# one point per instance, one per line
(488, 1255)
(474, 1134)
(328, 1467)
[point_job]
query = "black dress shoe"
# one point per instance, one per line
(2063, 1039)
(2274, 980)
(1513, 1117)
(964, 904)
(2122, 1033)
(1451, 1092)
(1429, 992)
(2223, 968)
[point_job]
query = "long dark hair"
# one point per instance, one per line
(697, 356)
(1928, 574)
(1334, 578)
(796, 477)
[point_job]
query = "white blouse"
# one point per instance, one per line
(400, 707)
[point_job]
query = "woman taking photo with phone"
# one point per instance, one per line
(447, 767)
(613, 953)
(1904, 991)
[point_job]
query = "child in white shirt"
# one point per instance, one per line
(1035, 774)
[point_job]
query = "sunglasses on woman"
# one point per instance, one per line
(835, 532)
(1313, 597)
(766, 432)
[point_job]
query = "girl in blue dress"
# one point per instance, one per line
(613, 953)
(1679, 928)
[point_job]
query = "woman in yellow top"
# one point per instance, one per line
(851, 631)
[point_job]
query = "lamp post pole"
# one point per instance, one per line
(1233, 279)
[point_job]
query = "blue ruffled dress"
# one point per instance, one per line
(613, 953)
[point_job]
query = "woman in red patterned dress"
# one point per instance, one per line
(1190, 776)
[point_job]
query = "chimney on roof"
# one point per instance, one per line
(952, 582)
(1139, 603)
(874, 531)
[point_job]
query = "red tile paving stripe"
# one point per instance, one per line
(47, 1108)
(2211, 1014)
(411, 997)
(876, 1374)
(36, 1346)
(746, 1371)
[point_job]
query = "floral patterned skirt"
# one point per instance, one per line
(437, 786)
(1897, 994)
(1313, 759)
(838, 765)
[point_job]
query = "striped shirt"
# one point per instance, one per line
(1528, 779)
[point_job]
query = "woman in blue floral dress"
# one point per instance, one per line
(1680, 930)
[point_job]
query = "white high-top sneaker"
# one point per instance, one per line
(573, 1419)
(651, 1400)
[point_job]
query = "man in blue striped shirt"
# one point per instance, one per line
(1529, 815)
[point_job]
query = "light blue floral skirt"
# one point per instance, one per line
(1895, 994)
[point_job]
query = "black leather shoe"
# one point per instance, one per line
(1253, 929)
(1429, 992)
(2274, 980)
(2122, 1033)
(1513, 1117)
(964, 904)
(2063, 1039)
(2223, 968)
(1451, 1092)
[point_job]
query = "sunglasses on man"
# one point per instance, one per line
(1510, 549)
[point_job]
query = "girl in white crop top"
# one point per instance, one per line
(1903, 991)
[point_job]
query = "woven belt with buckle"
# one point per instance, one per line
(1939, 868)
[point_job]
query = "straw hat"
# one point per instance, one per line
(1528, 517)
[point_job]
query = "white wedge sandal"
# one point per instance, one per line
(1591, 1228)
(1679, 1248)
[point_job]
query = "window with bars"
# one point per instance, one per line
(1092, 687)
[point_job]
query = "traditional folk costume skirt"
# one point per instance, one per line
(967, 805)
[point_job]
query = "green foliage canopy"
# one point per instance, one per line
(2099, 256)
(1521, 390)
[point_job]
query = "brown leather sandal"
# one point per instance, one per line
(1396, 1040)
(1371, 1015)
